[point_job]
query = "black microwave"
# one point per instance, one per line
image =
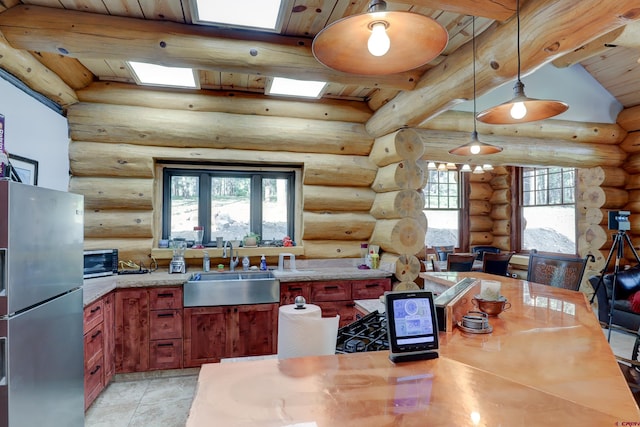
(100, 262)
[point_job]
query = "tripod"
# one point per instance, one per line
(618, 248)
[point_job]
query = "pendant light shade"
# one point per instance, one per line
(380, 42)
(521, 109)
(475, 146)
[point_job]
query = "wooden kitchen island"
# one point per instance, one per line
(546, 362)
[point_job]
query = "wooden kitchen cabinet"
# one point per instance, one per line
(148, 329)
(109, 337)
(132, 330)
(335, 297)
(165, 328)
(98, 347)
(214, 333)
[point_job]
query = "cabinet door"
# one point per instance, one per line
(132, 330)
(253, 330)
(290, 290)
(370, 288)
(109, 337)
(205, 335)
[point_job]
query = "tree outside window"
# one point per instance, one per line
(548, 209)
(442, 207)
(228, 203)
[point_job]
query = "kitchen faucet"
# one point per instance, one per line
(232, 262)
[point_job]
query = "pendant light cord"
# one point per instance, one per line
(518, 34)
(473, 47)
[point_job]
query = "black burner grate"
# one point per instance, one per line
(368, 333)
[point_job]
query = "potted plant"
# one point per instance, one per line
(251, 240)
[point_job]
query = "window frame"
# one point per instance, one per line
(462, 208)
(205, 172)
(519, 212)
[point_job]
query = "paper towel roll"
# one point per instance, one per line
(304, 332)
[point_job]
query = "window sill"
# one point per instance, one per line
(162, 253)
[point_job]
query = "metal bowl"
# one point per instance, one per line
(492, 308)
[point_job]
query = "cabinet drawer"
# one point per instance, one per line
(289, 292)
(367, 289)
(93, 344)
(93, 314)
(165, 354)
(165, 324)
(165, 298)
(330, 291)
(346, 310)
(93, 380)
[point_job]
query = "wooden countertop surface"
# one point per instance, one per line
(547, 362)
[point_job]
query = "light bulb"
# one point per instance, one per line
(379, 42)
(518, 110)
(475, 149)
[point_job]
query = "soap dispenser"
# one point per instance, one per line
(246, 263)
(263, 263)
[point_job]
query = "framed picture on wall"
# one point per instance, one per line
(25, 169)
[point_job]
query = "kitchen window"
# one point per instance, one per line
(228, 203)
(548, 209)
(442, 207)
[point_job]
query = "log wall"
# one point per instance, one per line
(113, 164)
(353, 188)
(400, 225)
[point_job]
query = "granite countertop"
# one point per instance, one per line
(96, 288)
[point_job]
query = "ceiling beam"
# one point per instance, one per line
(626, 36)
(500, 10)
(549, 28)
(94, 36)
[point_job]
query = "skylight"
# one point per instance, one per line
(291, 87)
(255, 14)
(159, 75)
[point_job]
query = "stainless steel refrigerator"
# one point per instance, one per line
(41, 311)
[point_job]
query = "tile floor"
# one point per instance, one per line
(152, 401)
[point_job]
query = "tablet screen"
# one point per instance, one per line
(411, 320)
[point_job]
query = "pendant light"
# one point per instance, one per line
(475, 146)
(379, 41)
(521, 109)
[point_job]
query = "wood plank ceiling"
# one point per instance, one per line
(612, 61)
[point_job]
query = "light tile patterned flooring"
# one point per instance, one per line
(148, 401)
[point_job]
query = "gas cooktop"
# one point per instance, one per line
(369, 333)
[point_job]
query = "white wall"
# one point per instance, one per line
(35, 131)
(588, 100)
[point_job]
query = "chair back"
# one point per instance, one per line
(481, 250)
(460, 262)
(560, 271)
(443, 252)
(496, 263)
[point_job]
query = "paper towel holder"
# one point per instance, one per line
(300, 302)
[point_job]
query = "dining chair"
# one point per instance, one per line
(481, 250)
(631, 367)
(460, 262)
(496, 263)
(443, 251)
(557, 270)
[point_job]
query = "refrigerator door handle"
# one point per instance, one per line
(3, 361)
(3, 272)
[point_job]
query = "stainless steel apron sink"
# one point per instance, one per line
(231, 288)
